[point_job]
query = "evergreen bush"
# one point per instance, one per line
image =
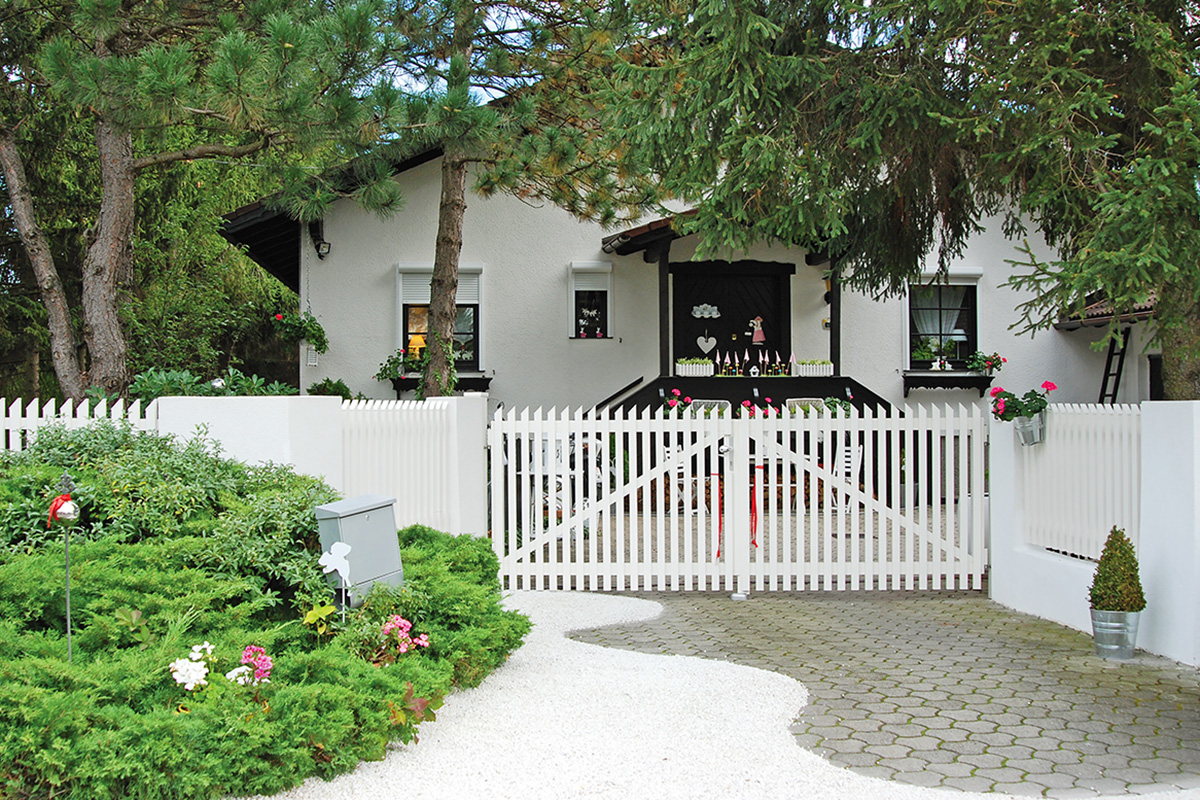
(176, 549)
(1116, 585)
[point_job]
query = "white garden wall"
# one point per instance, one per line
(1033, 580)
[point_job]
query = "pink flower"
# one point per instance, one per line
(279, 317)
(996, 390)
(745, 404)
(1048, 386)
(687, 399)
(672, 402)
(767, 399)
(1000, 406)
(1003, 359)
(256, 657)
(675, 392)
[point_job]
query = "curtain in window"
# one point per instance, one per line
(934, 318)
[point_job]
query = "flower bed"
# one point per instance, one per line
(206, 658)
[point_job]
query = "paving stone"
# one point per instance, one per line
(919, 778)
(973, 783)
(1020, 789)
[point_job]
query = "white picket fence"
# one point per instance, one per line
(639, 501)
(20, 419)
(1084, 478)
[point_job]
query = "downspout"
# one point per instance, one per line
(664, 309)
(835, 318)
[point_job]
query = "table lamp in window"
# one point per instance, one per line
(416, 343)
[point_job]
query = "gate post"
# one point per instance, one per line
(737, 511)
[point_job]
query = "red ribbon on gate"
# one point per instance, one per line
(56, 504)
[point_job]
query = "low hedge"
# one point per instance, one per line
(175, 549)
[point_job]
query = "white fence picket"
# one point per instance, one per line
(1084, 478)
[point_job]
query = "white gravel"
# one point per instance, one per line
(564, 719)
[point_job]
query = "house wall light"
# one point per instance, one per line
(316, 232)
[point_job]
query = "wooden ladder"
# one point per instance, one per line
(1117, 346)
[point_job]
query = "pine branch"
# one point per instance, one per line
(203, 151)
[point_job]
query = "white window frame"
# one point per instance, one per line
(595, 276)
(412, 288)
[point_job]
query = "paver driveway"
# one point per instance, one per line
(948, 689)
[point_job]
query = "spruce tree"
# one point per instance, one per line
(882, 133)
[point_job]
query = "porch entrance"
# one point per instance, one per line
(741, 307)
(632, 501)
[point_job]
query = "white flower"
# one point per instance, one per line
(189, 673)
(239, 675)
(201, 650)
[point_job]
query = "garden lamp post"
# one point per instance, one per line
(64, 509)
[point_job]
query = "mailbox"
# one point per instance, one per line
(368, 525)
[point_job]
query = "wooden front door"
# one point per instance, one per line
(740, 307)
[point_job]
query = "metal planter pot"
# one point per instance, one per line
(1115, 633)
(1031, 430)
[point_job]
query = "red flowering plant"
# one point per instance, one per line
(986, 363)
(1007, 406)
(295, 327)
(676, 402)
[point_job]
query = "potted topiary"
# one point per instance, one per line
(1117, 598)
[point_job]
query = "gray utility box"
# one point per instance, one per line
(368, 524)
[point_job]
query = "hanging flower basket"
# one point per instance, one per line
(1031, 430)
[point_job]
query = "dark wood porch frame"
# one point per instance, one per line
(653, 241)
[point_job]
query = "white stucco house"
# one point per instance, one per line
(560, 313)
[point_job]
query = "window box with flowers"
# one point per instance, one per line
(403, 369)
(1027, 412)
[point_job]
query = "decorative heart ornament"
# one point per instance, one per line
(706, 343)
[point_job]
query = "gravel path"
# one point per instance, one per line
(563, 719)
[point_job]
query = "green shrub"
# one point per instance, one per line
(155, 383)
(328, 386)
(1116, 585)
(176, 547)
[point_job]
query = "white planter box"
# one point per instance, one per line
(694, 370)
(812, 370)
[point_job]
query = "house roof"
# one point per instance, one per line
(643, 237)
(271, 238)
(1098, 313)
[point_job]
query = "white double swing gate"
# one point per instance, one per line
(776, 502)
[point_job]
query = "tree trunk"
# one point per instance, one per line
(63, 344)
(1178, 313)
(438, 379)
(107, 265)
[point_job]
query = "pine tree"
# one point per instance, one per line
(162, 84)
(511, 87)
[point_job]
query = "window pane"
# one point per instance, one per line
(418, 319)
(591, 314)
(464, 322)
(941, 323)
(464, 347)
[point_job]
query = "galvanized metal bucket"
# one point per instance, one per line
(1031, 430)
(1115, 633)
